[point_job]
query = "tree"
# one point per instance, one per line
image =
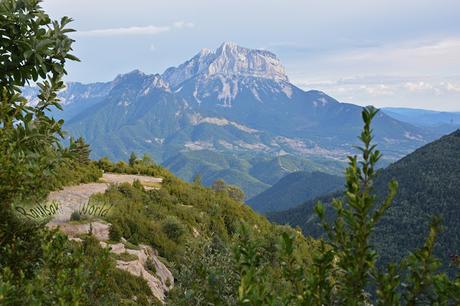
(147, 160)
(197, 180)
(132, 159)
(105, 164)
(33, 48)
(219, 185)
(80, 150)
(235, 193)
(39, 266)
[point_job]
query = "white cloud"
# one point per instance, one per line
(420, 86)
(378, 90)
(411, 56)
(134, 30)
(416, 73)
(183, 24)
(146, 30)
(438, 93)
(451, 87)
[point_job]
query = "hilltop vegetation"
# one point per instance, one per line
(196, 230)
(38, 266)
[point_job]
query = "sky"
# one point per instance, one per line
(403, 53)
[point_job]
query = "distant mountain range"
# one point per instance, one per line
(429, 181)
(438, 122)
(224, 113)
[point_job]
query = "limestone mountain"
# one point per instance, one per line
(235, 102)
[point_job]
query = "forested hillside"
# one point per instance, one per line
(294, 189)
(429, 183)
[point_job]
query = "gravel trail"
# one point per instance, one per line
(71, 198)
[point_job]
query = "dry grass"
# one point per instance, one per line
(154, 185)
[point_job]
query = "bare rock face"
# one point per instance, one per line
(160, 280)
(232, 59)
(100, 230)
(228, 60)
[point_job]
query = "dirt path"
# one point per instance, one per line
(72, 198)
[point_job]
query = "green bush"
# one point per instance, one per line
(125, 256)
(173, 228)
(134, 288)
(150, 265)
(75, 216)
(115, 233)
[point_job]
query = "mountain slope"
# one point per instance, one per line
(428, 185)
(294, 189)
(233, 101)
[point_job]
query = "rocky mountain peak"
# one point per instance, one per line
(158, 82)
(134, 75)
(139, 83)
(229, 60)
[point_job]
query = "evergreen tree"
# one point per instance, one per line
(219, 186)
(197, 180)
(80, 150)
(147, 160)
(132, 159)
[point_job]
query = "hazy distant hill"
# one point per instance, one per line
(294, 189)
(429, 181)
(440, 122)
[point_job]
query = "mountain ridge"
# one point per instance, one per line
(219, 102)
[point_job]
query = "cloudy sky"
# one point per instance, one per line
(380, 52)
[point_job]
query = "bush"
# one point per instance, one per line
(75, 216)
(173, 228)
(125, 256)
(115, 233)
(137, 184)
(150, 265)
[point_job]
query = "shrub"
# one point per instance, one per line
(150, 265)
(125, 256)
(173, 228)
(137, 184)
(115, 233)
(75, 216)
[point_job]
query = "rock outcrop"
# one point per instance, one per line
(158, 277)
